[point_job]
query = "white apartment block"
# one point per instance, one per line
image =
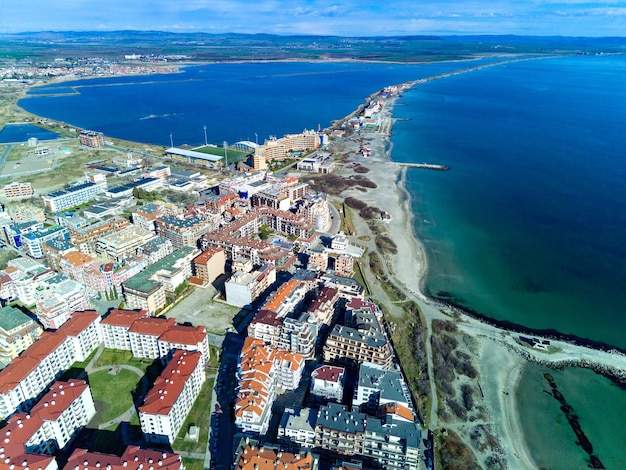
(49, 426)
(168, 402)
(73, 196)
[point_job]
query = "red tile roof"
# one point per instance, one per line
(328, 373)
(153, 326)
(48, 342)
(123, 317)
(133, 458)
(78, 322)
(181, 334)
(169, 385)
(16, 371)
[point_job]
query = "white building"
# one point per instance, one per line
(243, 288)
(73, 196)
(297, 426)
(327, 382)
(168, 402)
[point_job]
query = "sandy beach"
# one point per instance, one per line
(500, 368)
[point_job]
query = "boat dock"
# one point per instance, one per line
(426, 166)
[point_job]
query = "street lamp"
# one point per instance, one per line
(205, 139)
(171, 140)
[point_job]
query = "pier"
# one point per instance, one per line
(426, 166)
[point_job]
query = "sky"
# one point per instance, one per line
(324, 17)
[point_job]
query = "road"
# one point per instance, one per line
(4, 156)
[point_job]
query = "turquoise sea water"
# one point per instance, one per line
(530, 223)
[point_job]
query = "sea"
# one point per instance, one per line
(527, 226)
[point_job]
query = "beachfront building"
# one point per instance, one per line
(17, 332)
(168, 402)
(278, 149)
(91, 139)
(339, 431)
(73, 196)
(378, 386)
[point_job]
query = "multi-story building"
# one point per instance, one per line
(327, 382)
(133, 457)
(268, 457)
(15, 232)
(73, 196)
(146, 215)
(91, 139)
(344, 265)
(297, 428)
(155, 250)
(184, 232)
(115, 327)
(297, 332)
(209, 265)
(82, 333)
(339, 431)
(168, 402)
(378, 386)
(287, 298)
(149, 289)
(34, 242)
(261, 370)
(277, 149)
(17, 332)
(318, 259)
(185, 338)
(60, 296)
(84, 238)
(144, 336)
(55, 249)
(126, 190)
(16, 189)
(32, 439)
(391, 443)
(117, 246)
(243, 288)
(323, 307)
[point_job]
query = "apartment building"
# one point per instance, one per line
(115, 327)
(263, 368)
(149, 289)
(378, 386)
(133, 457)
(209, 265)
(287, 298)
(73, 196)
(327, 383)
(318, 259)
(85, 237)
(155, 250)
(269, 457)
(344, 265)
(117, 246)
(59, 296)
(297, 332)
(339, 431)
(91, 139)
(17, 189)
(173, 394)
(17, 332)
(243, 288)
(323, 307)
(32, 438)
(144, 335)
(184, 232)
(297, 428)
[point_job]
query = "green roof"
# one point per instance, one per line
(142, 281)
(11, 317)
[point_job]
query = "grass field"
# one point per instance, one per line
(200, 415)
(233, 155)
(112, 393)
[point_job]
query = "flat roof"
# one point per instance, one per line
(192, 154)
(11, 317)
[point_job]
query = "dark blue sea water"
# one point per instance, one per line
(234, 101)
(23, 132)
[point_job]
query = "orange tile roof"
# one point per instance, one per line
(47, 343)
(280, 295)
(206, 255)
(397, 409)
(255, 458)
(77, 258)
(169, 385)
(78, 322)
(123, 317)
(154, 326)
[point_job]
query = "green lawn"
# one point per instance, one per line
(112, 394)
(118, 356)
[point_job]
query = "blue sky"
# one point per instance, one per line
(326, 17)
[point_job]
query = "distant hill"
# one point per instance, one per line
(230, 47)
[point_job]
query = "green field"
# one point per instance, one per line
(112, 394)
(233, 155)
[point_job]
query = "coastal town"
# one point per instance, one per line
(252, 301)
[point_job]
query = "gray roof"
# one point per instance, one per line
(387, 382)
(303, 419)
(373, 339)
(334, 416)
(409, 432)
